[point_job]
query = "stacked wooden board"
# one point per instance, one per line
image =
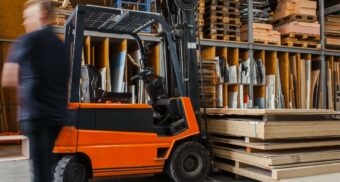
(332, 24)
(289, 7)
(297, 22)
(275, 145)
(262, 33)
(222, 20)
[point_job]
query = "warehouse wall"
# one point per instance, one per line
(11, 18)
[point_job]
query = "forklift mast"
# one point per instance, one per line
(180, 15)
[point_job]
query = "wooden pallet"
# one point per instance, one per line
(302, 36)
(293, 174)
(232, 38)
(225, 3)
(333, 42)
(224, 20)
(232, 20)
(292, 42)
(277, 159)
(232, 12)
(257, 144)
(214, 20)
(296, 17)
(226, 29)
(267, 42)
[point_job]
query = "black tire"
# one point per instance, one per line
(189, 161)
(71, 169)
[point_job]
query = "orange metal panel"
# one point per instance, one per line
(112, 150)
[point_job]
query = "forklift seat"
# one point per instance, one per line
(91, 88)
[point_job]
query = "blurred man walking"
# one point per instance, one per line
(38, 64)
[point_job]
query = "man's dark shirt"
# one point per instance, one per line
(43, 76)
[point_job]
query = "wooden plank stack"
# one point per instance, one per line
(262, 33)
(297, 22)
(289, 7)
(275, 145)
(222, 20)
(332, 24)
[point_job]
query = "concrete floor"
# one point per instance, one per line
(17, 171)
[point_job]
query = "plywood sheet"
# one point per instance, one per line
(277, 145)
(267, 112)
(274, 130)
(268, 160)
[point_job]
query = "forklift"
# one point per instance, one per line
(105, 136)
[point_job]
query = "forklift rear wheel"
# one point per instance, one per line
(190, 161)
(71, 169)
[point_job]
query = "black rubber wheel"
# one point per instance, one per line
(190, 161)
(71, 169)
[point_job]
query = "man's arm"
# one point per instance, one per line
(10, 75)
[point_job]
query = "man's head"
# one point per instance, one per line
(37, 13)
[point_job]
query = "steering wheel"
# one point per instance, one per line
(142, 75)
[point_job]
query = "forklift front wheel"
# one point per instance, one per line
(71, 169)
(190, 161)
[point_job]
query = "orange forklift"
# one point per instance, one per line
(106, 136)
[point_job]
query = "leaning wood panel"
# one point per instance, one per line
(284, 75)
(233, 59)
(223, 52)
(271, 63)
(87, 50)
(102, 62)
(155, 58)
(260, 91)
(298, 68)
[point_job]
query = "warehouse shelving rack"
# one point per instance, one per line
(250, 46)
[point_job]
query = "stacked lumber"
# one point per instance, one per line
(332, 24)
(222, 20)
(296, 20)
(289, 7)
(209, 72)
(275, 145)
(200, 18)
(62, 9)
(262, 33)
